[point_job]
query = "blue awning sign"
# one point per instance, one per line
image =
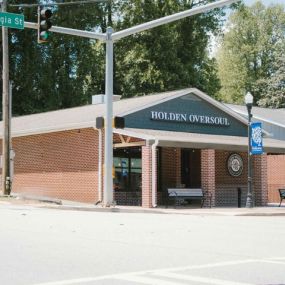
(256, 138)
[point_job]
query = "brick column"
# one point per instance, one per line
(208, 175)
(146, 177)
(260, 181)
(100, 169)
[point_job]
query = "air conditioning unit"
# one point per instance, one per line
(100, 99)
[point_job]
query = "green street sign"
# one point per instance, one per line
(12, 20)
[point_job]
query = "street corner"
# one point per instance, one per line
(23, 200)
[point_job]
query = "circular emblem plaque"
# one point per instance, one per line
(235, 164)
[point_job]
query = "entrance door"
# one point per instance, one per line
(191, 168)
(128, 175)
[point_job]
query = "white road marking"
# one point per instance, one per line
(147, 280)
(276, 258)
(273, 261)
(74, 281)
(158, 271)
(200, 279)
(209, 265)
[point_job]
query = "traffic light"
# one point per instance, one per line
(99, 123)
(119, 122)
(44, 24)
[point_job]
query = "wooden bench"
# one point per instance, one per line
(282, 195)
(186, 194)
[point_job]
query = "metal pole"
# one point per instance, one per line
(171, 18)
(11, 152)
(5, 110)
(139, 28)
(68, 31)
(108, 158)
(10, 112)
(249, 200)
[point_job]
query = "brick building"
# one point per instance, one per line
(174, 139)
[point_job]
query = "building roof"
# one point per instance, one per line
(274, 116)
(85, 117)
(80, 117)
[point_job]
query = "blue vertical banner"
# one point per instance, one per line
(256, 138)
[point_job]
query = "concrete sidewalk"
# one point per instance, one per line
(272, 210)
(46, 202)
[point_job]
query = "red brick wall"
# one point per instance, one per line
(227, 185)
(65, 165)
(215, 177)
(208, 176)
(62, 165)
(146, 177)
(170, 167)
(100, 197)
(260, 180)
(276, 176)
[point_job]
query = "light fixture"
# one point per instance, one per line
(248, 99)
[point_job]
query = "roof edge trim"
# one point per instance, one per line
(262, 119)
(39, 131)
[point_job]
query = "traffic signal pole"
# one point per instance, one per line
(109, 37)
(5, 183)
(108, 178)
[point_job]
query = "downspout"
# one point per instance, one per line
(99, 167)
(153, 173)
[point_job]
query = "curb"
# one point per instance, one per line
(105, 210)
(191, 212)
(52, 203)
(41, 199)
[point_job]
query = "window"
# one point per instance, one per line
(128, 169)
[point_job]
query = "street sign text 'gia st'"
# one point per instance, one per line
(12, 20)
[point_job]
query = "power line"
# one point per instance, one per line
(58, 4)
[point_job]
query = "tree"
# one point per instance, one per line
(272, 89)
(248, 50)
(67, 70)
(56, 74)
(169, 57)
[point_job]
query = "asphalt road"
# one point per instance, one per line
(58, 247)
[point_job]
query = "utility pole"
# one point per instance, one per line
(108, 179)
(5, 110)
(11, 151)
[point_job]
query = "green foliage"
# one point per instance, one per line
(248, 50)
(169, 57)
(67, 70)
(272, 88)
(55, 74)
